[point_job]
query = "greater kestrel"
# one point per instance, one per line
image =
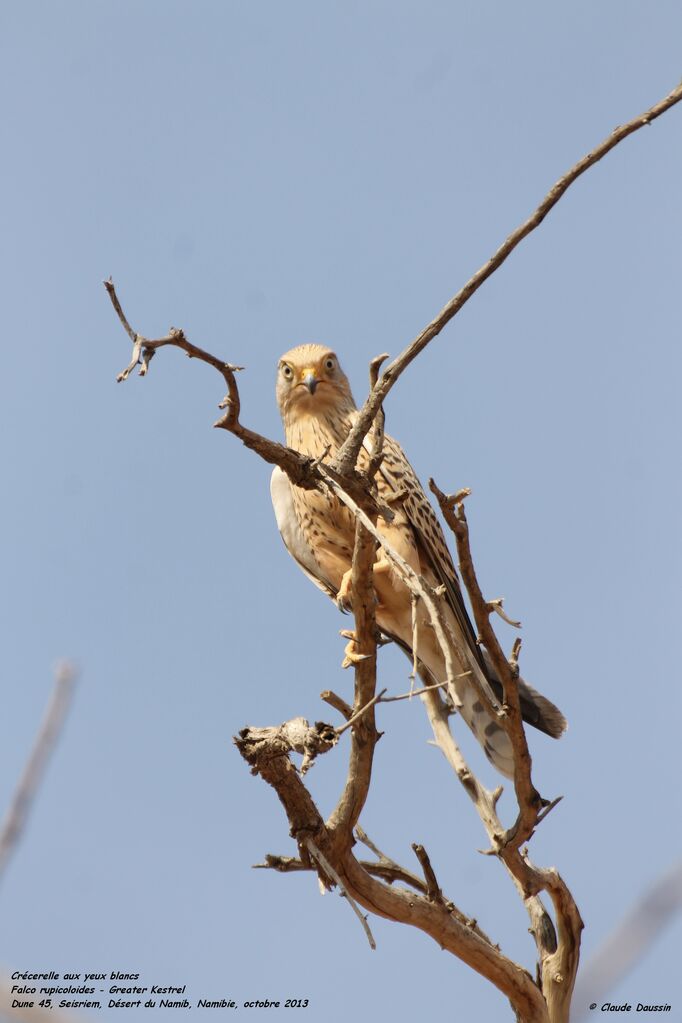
(318, 411)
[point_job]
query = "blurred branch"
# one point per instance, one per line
(631, 940)
(14, 823)
(33, 1014)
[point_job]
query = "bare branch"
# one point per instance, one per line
(301, 470)
(282, 864)
(514, 657)
(363, 710)
(111, 291)
(548, 809)
(15, 820)
(338, 703)
(529, 881)
(363, 837)
(363, 738)
(331, 873)
(418, 692)
(385, 869)
(295, 736)
(452, 930)
(375, 366)
(433, 890)
(497, 605)
(348, 454)
(526, 793)
(559, 957)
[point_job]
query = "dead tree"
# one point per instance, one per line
(379, 885)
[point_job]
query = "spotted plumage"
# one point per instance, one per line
(318, 411)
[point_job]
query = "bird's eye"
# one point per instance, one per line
(287, 371)
(329, 364)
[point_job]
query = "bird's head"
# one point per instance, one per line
(310, 382)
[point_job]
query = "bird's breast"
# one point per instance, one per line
(327, 525)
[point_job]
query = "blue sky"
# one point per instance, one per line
(263, 174)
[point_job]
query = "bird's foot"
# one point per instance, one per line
(344, 598)
(351, 655)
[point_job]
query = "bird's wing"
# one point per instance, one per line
(536, 709)
(400, 476)
(291, 532)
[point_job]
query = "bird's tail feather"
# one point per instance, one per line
(536, 709)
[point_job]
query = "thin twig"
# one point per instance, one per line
(497, 605)
(363, 710)
(331, 873)
(433, 889)
(337, 702)
(282, 864)
(15, 820)
(363, 837)
(385, 869)
(419, 692)
(176, 338)
(302, 470)
(414, 603)
(514, 657)
(377, 438)
(548, 809)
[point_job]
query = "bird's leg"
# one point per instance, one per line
(344, 598)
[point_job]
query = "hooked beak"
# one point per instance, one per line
(310, 380)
